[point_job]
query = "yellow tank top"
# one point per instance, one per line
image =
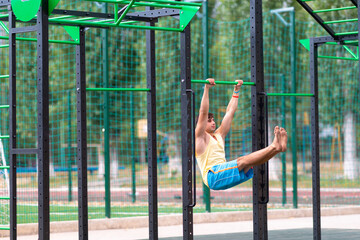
(214, 154)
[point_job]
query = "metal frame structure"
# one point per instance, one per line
(258, 112)
(335, 38)
(41, 27)
(260, 182)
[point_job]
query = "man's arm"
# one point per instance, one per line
(204, 110)
(230, 111)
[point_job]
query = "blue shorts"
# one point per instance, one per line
(227, 175)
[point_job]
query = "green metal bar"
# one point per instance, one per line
(291, 94)
(125, 12)
(4, 137)
(205, 26)
(4, 46)
(341, 21)
(4, 106)
(221, 82)
(334, 9)
(62, 17)
(181, 3)
(119, 89)
(346, 33)
(339, 58)
(4, 198)
(105, 67)
(4, 228)
(121, 25)
(4, 15)
(139, 4)
(4, 167)
(34, 40)
(4, 27)
(293, 108)
(69, 148)
(176, 3)
(4, 76)
(350, 41)
(133, 167)
(349, 50)
(86, 19)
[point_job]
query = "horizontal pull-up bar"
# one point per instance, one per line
(4, 46)
(291, 94)
(334, 9)
(4, 228)
(5, 137)
(222, 82)
(4, 167)
(4, 106)
(4, 198)
(118, 89)
(4, 76)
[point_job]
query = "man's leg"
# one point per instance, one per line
(259, 157)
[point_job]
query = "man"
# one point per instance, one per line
(210, 154)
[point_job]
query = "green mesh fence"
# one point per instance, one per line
(229, 49)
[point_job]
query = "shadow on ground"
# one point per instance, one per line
(289, 234)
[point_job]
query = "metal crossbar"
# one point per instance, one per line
(118, 89)
(291, 94)
(222, 82)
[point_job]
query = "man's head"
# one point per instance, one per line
(210, 125)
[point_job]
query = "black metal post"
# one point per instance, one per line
(315, 140)
(186, 135)
(151, 123)
(43, 121)
(12, 124)
(260, 180)
(81, 136)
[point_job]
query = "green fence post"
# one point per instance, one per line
(105, 69)
(133, 169)
(293, 107)
(205, 27)
(69, 147)
(283, 155)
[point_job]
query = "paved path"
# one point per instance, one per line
(343, 227)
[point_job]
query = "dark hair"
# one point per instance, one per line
(210, 115)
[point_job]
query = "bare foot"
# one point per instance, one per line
(283, 139)
(277, 140)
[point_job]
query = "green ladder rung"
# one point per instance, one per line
(5, 137)
(4, 167)
(222, 82)
(4, 228)
(4, 106)
(334, 9)
(4, 198)
(4, 76)
(4, 46)
(341, 21)
(346, 33)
